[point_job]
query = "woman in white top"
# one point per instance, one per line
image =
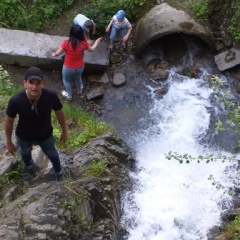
(121, 26)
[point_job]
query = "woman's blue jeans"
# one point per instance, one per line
(47, 146)
(68, 74)
(120, 31)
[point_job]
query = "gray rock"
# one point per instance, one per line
(118, 79)
(159, 74)
(227, 59)
(95, 93)
(159, 91)
(65, 210)
(7, 164)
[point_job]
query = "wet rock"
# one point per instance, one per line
(115, 59)
(159, 74)
(221, 237)
(109, 107)
(160, 91)
(219, 45)
(155, 64)
(118, 79)
(231, 215)
(191, 72)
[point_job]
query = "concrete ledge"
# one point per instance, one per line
(28, 49)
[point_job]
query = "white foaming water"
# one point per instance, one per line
(173, 201)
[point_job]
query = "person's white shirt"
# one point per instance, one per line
(80, 19)
(124, 23)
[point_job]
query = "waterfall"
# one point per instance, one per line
(169, 200)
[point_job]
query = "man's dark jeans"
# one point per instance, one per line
(47, 146)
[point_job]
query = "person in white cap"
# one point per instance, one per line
(120, 25)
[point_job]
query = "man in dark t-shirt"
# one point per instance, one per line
(33, 107)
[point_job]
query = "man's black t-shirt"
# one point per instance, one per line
(34, 123)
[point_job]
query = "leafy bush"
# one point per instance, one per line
(234, 27)
(6, 87)
(201, 9)
(31, 14)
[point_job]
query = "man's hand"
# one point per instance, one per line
(11, 147)
(63, 137)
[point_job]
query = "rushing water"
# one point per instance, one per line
(169, 200)
(173, 201)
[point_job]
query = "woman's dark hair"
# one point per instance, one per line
(76, 34)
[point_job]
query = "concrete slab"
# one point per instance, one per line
(227, 59)
(28, 49)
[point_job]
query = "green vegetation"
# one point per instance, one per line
(75, 206)
(187, 158)
(201, 9)
(233, 229)
(6, 88)
(96, 168)
(234, 28)
(85, 127)
(33, 15)
(12, 178)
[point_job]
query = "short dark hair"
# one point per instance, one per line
(88, 24)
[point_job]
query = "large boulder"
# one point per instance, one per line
(163, 20)
(28, 49)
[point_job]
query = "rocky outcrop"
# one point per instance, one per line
(28, 49)
(163, 20)
(84, 205)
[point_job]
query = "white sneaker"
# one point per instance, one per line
(65, 94)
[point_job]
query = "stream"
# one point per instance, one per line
(169, 200)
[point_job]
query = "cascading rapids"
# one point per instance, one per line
(173, 201)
